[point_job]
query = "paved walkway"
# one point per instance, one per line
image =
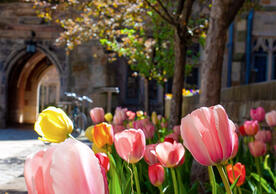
(15, 145)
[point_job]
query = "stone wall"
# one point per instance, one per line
(237, 100)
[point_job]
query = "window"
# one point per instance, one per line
(259, 70)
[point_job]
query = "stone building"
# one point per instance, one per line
(34, 72)
(250, 62)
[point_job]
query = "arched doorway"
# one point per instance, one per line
(27, 76)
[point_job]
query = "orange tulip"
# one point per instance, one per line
(235, 171)
(102, 134)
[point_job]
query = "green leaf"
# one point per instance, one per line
(235, 182)
(264, 183)
(114, 185)
(252, 187)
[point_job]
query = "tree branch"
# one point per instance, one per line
(234, 7)
(187, 10)
(169, 20)
(165, 10)
(179, 8)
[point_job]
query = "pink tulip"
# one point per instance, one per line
(104, 160)
(270, 118)
(264, 136)
(118, 128)
(130, 145)
(251, 127)
(209, 135)
(169, 154)
(131, 115)
(146, 126)
(150, 155)
(173, 136)
(156, 174)
(257, 114)
(236, 145)
(97, 115)
(69, 167)
(176, 129)
(257, 148)
(120, 116)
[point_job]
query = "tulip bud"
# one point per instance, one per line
(53, 125)
(102, 134)
(120, 116)
(108, 117)
(257, 114)
(139, 113)
(270, 118)
(156, 174)
(131, 115)
(154, 118)
(257, 148)
(130, 145)
(251, 127)
(97, 115)
(264, 136)
(103, 160)
(234, 172)
(168, 154)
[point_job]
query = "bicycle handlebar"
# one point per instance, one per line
(79, 98)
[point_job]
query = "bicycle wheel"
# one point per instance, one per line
(81, 123)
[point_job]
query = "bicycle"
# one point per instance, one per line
(77, 115)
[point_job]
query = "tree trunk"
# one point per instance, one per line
(178, 80)
(213, 53)
(221, 16)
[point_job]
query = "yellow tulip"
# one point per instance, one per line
(53, 125)
(88, 133)
(154, 118)
(139, 113)
(108, 117)
(102, 134)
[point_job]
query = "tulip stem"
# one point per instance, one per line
(239, 189)
(224, 179)
(161, 189)
(136, 177)
(174, 181)
(259, 172)
(212, 179)
(71, 136)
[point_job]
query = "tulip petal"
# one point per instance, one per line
(80, 167)
(192, 141)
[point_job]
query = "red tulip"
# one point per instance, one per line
(257, 148)
(257, 114)
(169, 154)
(270, 118)
(150, 154)
(264, 136)
(234, 171)
(69, 167)
(209, 135)
(131, 115)
(97, 115)
(130, 145)
(242, 131)
(251, 127)
(156, 174)
(104, 160)
(120, 116)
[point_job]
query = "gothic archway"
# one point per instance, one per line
(25, 74)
